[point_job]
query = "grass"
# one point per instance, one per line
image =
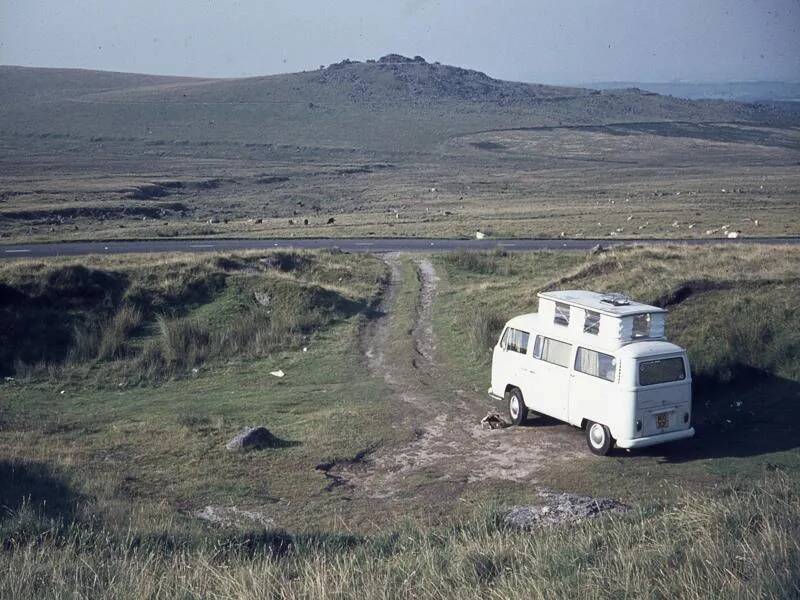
(110, 468)
(733, 543)
(146, 430)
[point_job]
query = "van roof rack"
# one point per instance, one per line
(616, 299)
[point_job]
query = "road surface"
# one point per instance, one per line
(346, 244)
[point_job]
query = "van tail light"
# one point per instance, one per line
(685, 417)
(638, 425)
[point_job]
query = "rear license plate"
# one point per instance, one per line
(662, 420)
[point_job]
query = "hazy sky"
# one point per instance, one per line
(528, 40)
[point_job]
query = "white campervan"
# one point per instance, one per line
(597, 361)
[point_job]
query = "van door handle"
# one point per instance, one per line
(531, 371)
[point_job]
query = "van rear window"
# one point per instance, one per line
(663, 370)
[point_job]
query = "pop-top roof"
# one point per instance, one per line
(615, 305)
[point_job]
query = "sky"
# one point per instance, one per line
(567, 41)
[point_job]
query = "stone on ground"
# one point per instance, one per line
(230, 516)
(558, 508)
(254, 437)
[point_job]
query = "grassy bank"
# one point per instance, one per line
(135, 318)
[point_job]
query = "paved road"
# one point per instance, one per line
(348, 244)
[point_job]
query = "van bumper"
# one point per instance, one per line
(652, 440)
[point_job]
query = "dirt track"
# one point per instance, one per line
(448, 444)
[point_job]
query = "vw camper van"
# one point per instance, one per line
(600, 362)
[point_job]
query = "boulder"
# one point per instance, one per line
(254, 438)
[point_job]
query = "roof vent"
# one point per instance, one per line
(616, 299)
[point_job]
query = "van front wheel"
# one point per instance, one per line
(516, 407)
(598, 438)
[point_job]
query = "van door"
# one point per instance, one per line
(507, 361)
(592, 388)
(500, 365)
(549, 378)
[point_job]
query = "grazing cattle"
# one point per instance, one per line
(305, 221)
(331, 221)
(291, 222)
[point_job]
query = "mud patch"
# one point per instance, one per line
(147, 191)
(334, 470)
(374, 334)
(488, 145)
(424, 339)
(268, 179)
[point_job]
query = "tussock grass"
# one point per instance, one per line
(734, 543)
(117, 331)
(484, 328)
(182, 342)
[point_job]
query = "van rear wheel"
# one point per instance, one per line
(516, 407)
(598, 438)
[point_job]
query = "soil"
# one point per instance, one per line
(448, 444)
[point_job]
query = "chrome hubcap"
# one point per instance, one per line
(514, 406)
(597, 435)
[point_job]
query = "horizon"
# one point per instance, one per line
(543, 42)
(565, 83)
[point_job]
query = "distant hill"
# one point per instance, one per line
(394, 103)
(739, 91)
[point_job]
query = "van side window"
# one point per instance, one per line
(641, 326)
(596, 364)
(591, 324)
(517, 340)
(552, 351)
(562, 314)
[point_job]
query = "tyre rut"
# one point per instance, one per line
(447, 443)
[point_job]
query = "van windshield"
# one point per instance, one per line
(662, 370)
